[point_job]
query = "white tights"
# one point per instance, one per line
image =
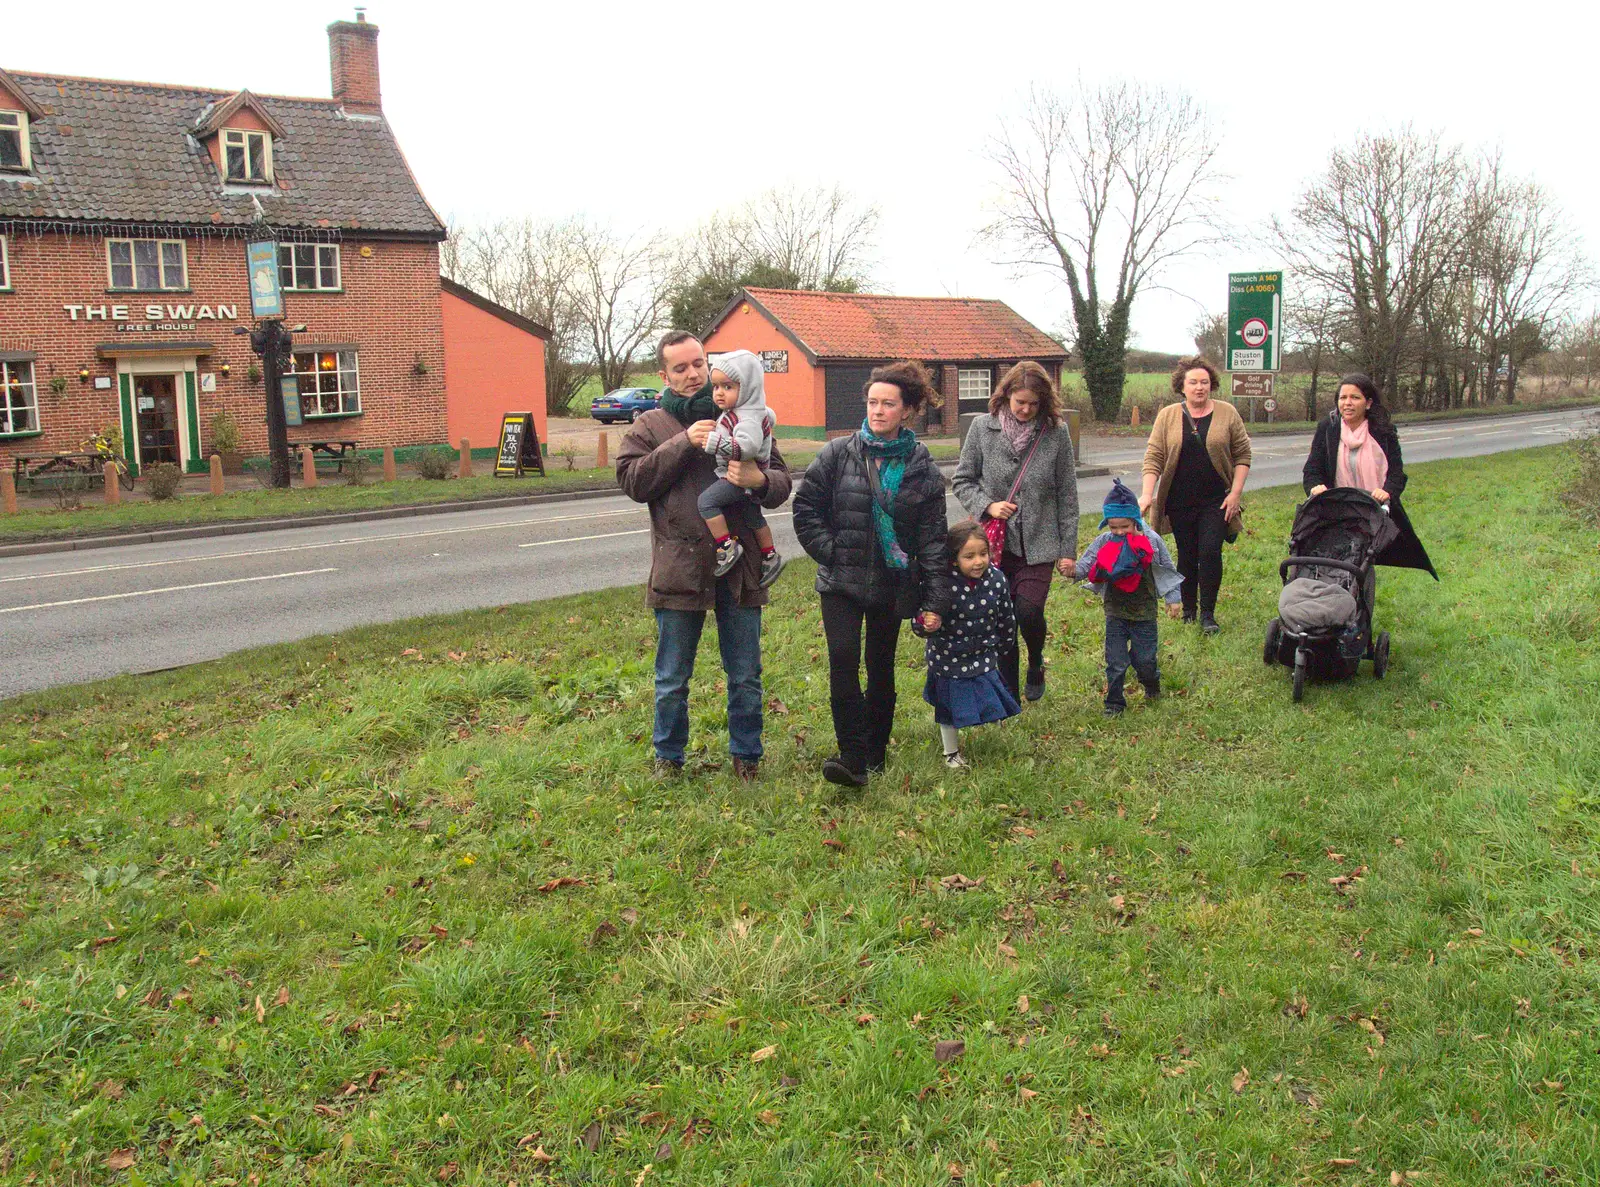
(947, 734)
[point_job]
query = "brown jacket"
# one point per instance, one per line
(1226, 441)
(657, 464)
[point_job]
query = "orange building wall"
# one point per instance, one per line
(490, 367)
(797, 398)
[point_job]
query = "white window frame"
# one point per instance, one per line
(241, 138)
(289, 274)
(970, 377)
(31, 388)
(18, 120)
(161, 267)
(347, 382)
(5, 265)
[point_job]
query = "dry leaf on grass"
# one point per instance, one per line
(1341, 1163)
(628, 916)
(283, 996)
(558, 883)
(763, 1053)
(591, 1136)
(1023, 1004)
(1027, 1094)
(121, 1160)
(1240, 1080)
(767, 1117)
(448, 1171)
(959, 882)
(833, 843)
(539, 1155)
(948, 1049)
(261, 1010)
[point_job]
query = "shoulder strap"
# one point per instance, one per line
(1017, 485)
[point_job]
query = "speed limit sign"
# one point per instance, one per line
(1270, 405)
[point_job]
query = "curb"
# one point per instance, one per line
(247, 526)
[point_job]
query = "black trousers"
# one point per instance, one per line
(1198, 531)
(862, 723)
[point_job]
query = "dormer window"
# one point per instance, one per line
(14, 140)
(247, 155)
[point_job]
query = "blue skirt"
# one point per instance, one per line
(976, 700)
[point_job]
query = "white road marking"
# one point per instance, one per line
(614, 535)
(144, 593)
(343, 540)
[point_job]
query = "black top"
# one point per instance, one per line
(1195, 483)
(1322, 469)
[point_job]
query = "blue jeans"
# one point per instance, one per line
(1125, 640)
(677, 641)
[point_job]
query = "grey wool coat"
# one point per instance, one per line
(1046, 522)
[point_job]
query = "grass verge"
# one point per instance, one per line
(405, 905)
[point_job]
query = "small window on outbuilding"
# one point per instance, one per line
(973, 388)
(14, 141)
(247, 155)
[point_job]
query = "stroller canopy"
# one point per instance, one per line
(1342, 524)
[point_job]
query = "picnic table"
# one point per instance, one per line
(338, 452)
(29, 467)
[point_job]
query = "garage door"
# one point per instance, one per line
(846, 406)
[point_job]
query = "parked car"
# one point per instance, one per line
(624, 404)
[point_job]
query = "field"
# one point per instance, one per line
(406, 905)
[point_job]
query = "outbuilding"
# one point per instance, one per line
(819, 349)
(126, 209)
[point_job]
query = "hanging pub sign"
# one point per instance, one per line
(290, 386)
(266, 295)
(519, 446)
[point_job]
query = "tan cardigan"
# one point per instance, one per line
(1226, 441)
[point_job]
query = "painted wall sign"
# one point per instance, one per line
(152, 317)
(775, 362)
(266, 297)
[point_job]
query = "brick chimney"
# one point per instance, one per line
(353, 59)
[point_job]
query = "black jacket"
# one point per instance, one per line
(1322, 469)
(833, 519)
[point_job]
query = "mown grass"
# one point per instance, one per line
(405, 905)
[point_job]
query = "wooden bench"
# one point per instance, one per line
(58, 468)
(337, 452)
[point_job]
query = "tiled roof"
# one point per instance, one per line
(873, 326)
(125, 152)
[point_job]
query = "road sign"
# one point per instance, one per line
(1252, 385)
(1270, 405)
(1255, 312)
(266, 296)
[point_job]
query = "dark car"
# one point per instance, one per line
(624, 404)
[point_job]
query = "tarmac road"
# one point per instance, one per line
(76, 616)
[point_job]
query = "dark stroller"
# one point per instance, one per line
(1324, 623)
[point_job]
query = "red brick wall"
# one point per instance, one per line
(389, 307)
(353, 62)
(491, 367)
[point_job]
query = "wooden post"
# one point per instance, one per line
(464, 470)
(216, 475)
(601, 461)
(113, 489)
(388, 463)
(308, 466)
(1134, 420)
(1072, 428)
(8, 491)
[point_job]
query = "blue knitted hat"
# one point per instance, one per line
(1121, 503)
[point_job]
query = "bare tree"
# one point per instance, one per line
(530, 267)
(1210, 332)
(1104, 187)
(623, 288)
(825, 237)
(1314, 323)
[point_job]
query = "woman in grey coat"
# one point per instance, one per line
(1024, 424)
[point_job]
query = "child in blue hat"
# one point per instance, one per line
(1131, 569)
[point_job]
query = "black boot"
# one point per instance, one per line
(845, 770)
(880, 725)
(1208, 622)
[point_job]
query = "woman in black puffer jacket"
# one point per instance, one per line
(870, 512)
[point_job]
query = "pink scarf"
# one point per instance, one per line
(1018, 434)
(1362, 462)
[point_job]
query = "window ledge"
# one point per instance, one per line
(329, 415)
(313, 292)
(20, 436)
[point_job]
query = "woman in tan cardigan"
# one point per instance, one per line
(1194, 471)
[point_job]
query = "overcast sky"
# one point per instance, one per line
(656, 114)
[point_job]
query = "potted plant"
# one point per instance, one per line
(225, 442)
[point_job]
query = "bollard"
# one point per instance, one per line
(113, 490)
(600, 451)
(388, 463)
(216, 474)
(308, 467)
(8, 491)
(465, 469)
(1134, 421)
(1072, 428)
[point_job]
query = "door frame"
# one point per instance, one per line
(185, 385)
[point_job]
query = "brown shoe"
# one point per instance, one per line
(746, 770)
(665, 768)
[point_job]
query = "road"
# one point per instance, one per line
(75, 616)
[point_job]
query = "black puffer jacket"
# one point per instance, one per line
(833, 519)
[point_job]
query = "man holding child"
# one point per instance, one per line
(663, 462)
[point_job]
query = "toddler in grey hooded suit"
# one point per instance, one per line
(742, 432)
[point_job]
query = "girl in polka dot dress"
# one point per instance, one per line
(964, 685)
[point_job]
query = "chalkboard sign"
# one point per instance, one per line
(519, 446)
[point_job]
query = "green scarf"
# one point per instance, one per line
(689, 409)
(893, 451)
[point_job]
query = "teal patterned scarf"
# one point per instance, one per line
(893, 451)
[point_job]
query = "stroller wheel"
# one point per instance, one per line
(1380, 655)
(1269, 653)
(1300, 665)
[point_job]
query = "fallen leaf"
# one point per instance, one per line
(607, 930)
(664, 1152)
(1332, 856)
(1027, 1094)
(946, 1050)
(1341, 1163)
(1057, 870)
(1524, 1004)
(591, 1136)
(956, 1171)
(110, 1088)
(283, 996)
(410, 651)
(374, 1076)
(1240, 1080)
(261, 1010)
(763, 1053)
(1474, 931)
(121, 1160)
(767, 1117)
(833, 842)
(104, 940)
(156, 997)
(959, 882)
(1396, 1179)
(628, 916)
(1293, 875)
(865, 1019)
(1100, 1051)
(558, 883)
(538, 1155)
(1116, 902)
(1006, 950)
(1304, 1096)
(774, 705)
(1023, 1004)
(1554, 1085)
(448, 1171)
(440, 932)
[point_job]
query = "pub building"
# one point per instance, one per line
(126, 209)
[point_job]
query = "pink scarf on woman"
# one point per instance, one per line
(1362, 462)
(1018, 434)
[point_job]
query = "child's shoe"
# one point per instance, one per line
(1152, 691)
(728, 554)
(771, 568)
(955, 762)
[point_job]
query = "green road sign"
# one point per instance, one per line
(1255, 315)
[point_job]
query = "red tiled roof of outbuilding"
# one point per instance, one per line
(875, 326)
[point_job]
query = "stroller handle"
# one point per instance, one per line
(1320, 562)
